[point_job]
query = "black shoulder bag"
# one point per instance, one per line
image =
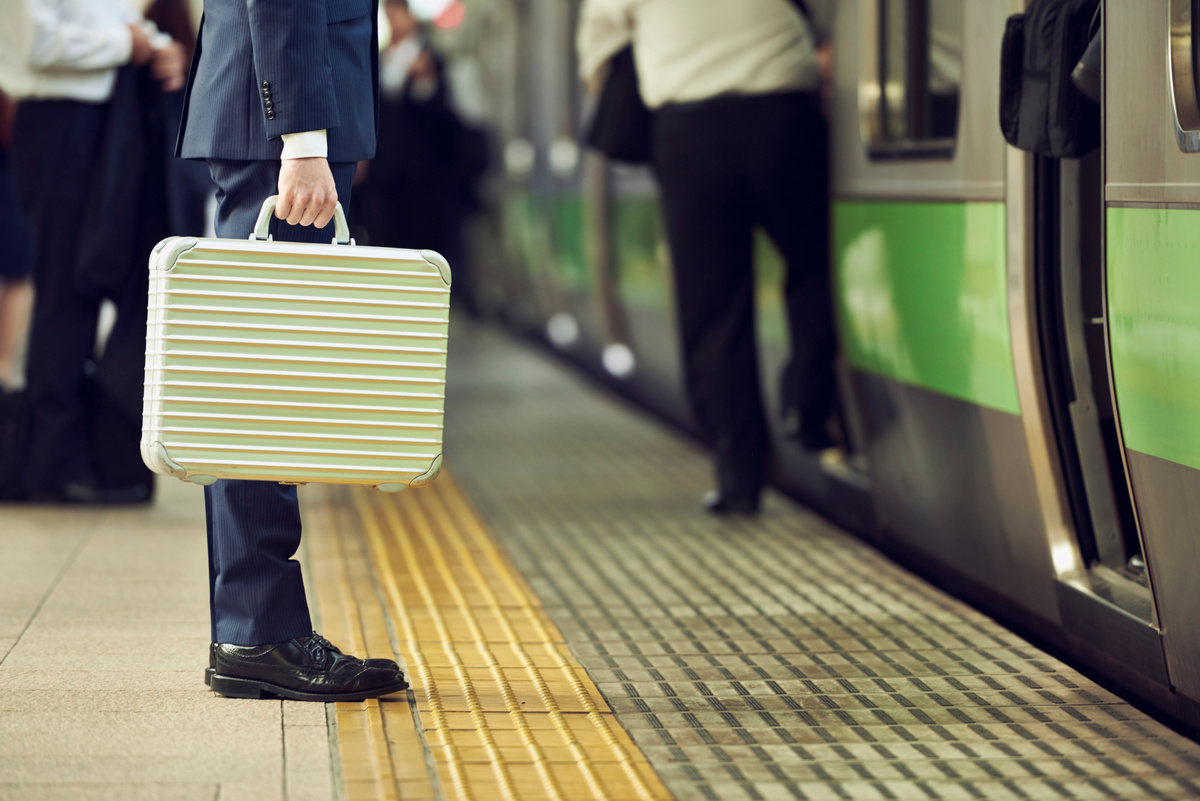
(622, 126)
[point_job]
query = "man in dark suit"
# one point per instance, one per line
(281, 100)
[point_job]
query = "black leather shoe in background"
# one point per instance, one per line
(87, 492)
(306, 668)
(814, 439)
(724, 503)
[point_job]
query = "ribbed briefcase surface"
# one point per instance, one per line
(296, 363)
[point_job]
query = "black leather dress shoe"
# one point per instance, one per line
(723, 503)
(387, 664)
(303, 669)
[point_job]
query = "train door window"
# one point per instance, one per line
(1183, 19)
(911, 77)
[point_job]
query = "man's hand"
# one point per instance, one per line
(169, 67)
(307, 194)
(142, 51)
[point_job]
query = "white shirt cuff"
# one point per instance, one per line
(306, 145)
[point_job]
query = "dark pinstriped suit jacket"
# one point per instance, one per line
(264, 68)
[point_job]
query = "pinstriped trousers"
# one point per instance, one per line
(256, 590)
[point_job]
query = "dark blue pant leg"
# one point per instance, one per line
(256, 587)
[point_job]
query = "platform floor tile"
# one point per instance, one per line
(775, 657)
(104, 638)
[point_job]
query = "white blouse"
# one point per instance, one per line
(64, 49)
(691, 50)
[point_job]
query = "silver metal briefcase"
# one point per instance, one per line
(296, 363)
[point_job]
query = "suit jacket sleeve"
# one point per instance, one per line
(290, 39)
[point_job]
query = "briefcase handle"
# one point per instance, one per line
(263, 226)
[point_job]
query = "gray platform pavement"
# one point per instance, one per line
(776, 658)
(103, 643)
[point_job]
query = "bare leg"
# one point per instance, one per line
(16, 305)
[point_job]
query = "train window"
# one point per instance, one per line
(1183, 18)
(911, 76)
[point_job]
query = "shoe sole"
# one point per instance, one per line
(232, 687)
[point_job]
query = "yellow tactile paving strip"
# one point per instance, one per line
(376, 762)
(502, 709)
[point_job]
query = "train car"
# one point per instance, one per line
(1019, 378)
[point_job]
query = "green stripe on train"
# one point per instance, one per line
(1154, 328)
(922, 296)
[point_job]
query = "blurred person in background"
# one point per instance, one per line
(419, 189)
(88, 150)
(739, 141)
(188, 186)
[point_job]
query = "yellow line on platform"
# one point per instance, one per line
(352, 617)
(503, 711)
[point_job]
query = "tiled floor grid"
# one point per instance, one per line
(776, 658)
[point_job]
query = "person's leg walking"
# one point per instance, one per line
(256, 587)
(787, 151)
(710, 232)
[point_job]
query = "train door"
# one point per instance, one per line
(1069, 287)
(921, 250)
(1152, 285)
(1102, 586)
(530, 76)
(1061, 329)
(562, 203)
(502, 44)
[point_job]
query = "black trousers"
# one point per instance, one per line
(17, 248)
(727, 166)
(55, 148)
(256, 589)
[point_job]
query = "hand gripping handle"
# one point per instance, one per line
(263, 226)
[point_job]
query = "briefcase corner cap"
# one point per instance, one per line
(429, 475)
(439, 261)
(154, 454)
(169, 251)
